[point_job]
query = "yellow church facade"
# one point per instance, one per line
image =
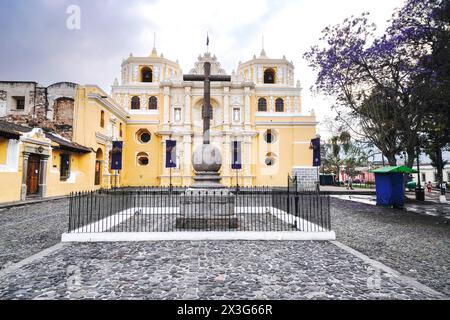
(261, 108)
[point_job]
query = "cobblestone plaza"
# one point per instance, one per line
(229, 269)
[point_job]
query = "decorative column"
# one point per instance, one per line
(23, 194)
(271, 106)
(296, 106)
(166, 115)
(288, 104)
(106, 174)
(226, 108)
(187, 107)
(247, 108)
(186, 165)
(43, 176)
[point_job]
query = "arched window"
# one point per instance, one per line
(269, 76)
(262, 105)
(146, 74)
(120, 130)
(279, 105)
(153, 103)
(102, 119)
(135, 103)
(142, 159)
(270, 159)
(270, 136)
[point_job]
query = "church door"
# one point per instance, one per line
(98, 168)
(33, 174)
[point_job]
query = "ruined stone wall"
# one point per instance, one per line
(50, 108)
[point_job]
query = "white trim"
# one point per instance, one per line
(142, 122)
(197, 236)
(290, 123)
(280, 114)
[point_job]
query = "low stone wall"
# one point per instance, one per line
(306, 177)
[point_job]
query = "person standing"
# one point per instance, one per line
(429, 186)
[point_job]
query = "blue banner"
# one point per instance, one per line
(315, 145)
(116, 155)
(236, 163)
(171, 154)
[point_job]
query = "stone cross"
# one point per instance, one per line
(206, 110)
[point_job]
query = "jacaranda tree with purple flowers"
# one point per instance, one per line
(378, 81)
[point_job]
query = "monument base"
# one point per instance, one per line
(207, 180)
(207, 209)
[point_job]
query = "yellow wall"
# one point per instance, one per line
(82, 174)
(132, 173)
(11, 182)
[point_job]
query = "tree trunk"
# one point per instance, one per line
(391, 159)
(439, 165)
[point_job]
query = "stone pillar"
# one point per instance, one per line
(187, 106)
(186, 165)
(247, 108)
(226, 108)
(288, 104)
(166, 115)
(43, 176)
(23, 194)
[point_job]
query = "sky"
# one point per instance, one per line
(38, 46)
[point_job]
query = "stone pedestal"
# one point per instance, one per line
(207, 205)
(207, 209)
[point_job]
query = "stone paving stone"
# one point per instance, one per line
(205, 270)
(416, 245)
(30, 229)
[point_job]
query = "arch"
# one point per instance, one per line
(135, 103)
(262, 105)
(270, 159)
(199, 104)
(279, 105)
(269, 76)
(99, 154)
(153, 103)
(270, 136)
(142, 159)
(98, 167)
(146, 74)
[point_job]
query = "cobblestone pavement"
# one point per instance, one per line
(203, 270)
(416, 245)
(29, 229)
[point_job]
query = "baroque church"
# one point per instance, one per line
(66, 132)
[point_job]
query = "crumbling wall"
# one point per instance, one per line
(50, 108)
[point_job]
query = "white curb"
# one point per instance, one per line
(196, 236)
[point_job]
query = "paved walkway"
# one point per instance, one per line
(204, 270)
(28, 229)
(417, 245)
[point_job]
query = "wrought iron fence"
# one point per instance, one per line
(163, 209)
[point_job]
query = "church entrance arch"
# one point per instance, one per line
(98, 166)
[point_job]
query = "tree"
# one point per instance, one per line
(342, 152)
(376, 81)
